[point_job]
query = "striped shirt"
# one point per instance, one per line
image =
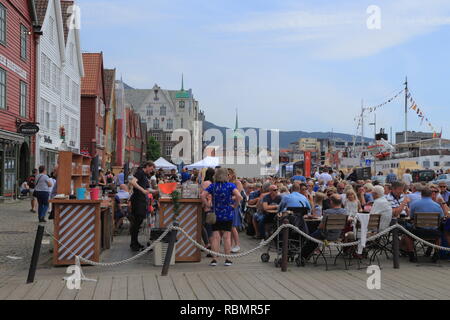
(396, 202)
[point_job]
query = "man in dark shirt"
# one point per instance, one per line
(271, 202)
(185, 175)
(320, 233)
(139, 202)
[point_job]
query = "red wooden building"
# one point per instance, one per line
(93, 108)
(19, 32)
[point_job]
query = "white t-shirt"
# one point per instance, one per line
(407, 178)
(325, 177)
(383, 207)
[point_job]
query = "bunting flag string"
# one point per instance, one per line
(419, 112)
(374, 108)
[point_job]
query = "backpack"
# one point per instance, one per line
(31, 182)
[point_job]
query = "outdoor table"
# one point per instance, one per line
(77, 230)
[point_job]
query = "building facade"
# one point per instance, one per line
(135, 142)
(164, 111)
(19, 34)
(93, 107)
(120, 124)
(60, 68)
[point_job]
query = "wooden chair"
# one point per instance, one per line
(333, 222)
(427, 220)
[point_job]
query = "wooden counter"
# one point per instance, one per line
(190, 219)
(77, 225)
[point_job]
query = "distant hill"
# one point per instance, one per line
(287, 137)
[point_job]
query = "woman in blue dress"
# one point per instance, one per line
(225, 198)
(237, 220)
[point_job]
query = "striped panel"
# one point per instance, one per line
(185, 250)
(76, 232)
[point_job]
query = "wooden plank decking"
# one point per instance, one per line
(247, 279)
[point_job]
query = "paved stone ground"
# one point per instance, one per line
(17, 233)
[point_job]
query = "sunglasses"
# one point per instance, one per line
(275, 190)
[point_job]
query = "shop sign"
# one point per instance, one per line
(28, 129)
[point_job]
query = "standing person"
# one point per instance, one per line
(120, 178)
(391, 177)
(207, 208)
(32, 184)
(299, 176)
(42, 190)
(407, 178)
(225, 198)
(139, 202)
(237, 221)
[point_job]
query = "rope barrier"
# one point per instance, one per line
(261, 244)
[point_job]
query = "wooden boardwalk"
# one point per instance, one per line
(247, 279)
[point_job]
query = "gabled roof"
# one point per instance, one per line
(41, 10)
(65, 5)
(93, 74)
(136, 97)
(109, 76)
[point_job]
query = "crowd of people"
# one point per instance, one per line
(228, 198)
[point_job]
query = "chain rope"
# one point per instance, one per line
(262, 244)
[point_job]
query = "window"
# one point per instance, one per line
(43, 60)
(102, 108)
(149, 110)
(162, 111)
(168, 151)
(74, 130)
(23, 42)
(47, 71)
(181, 123)
(23, 99)
(66, 123)
(436, 163)
(67, 87)
(51, 29)
(155, 123)
(45, 114)
(2, 24)
(181, 104)
(53, 119)
(74, 93)
(169, 124)
(2, 89)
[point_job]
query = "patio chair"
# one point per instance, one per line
(426, 220)
(333, 222)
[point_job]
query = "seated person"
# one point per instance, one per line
(424, 205)
(24, 189)
(121, 212)
(256, 199)
(320, 233)
(294, 199)
(270, 202)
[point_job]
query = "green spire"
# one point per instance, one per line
(236, 126)
(182, 82)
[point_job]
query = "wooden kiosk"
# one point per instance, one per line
(77, 223)
(190, 219)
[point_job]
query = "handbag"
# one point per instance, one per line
(211, 217)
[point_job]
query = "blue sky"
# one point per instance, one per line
(292, 65)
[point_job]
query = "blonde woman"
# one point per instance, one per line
(351, 204)
(225, 198)
(318, 204)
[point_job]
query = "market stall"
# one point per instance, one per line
(83, 222)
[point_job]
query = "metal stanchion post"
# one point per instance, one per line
(170, 248)
(36, 251)
(395, 248)
(284, 257)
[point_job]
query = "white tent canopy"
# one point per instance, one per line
(162, 163)
(208, 162)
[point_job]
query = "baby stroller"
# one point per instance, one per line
(295, 240)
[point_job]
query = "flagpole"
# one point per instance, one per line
(406, 109)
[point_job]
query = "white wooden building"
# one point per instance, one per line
(59, 72)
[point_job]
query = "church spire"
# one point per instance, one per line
(182, 82)
(236, 125)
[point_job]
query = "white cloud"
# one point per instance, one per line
(344, 34)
